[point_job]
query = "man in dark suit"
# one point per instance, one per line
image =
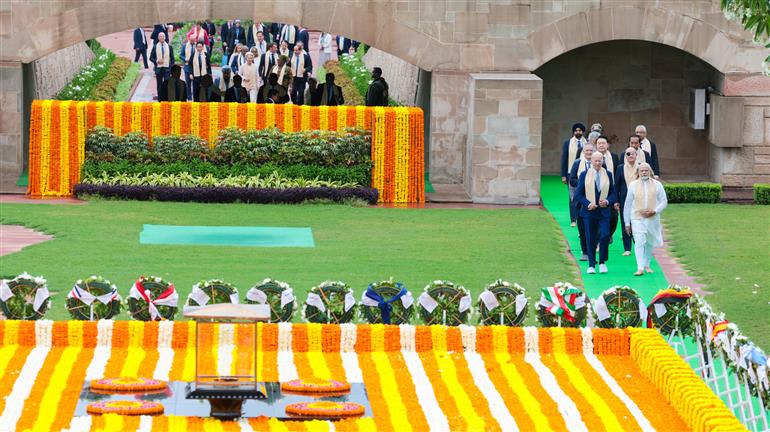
(211, 29)
(329, 93)
(625, 173)
(267, 61)
(140, 46)
(200, 66)
(223, 31)
(377, 93)
(235, 35)
(158, 29)
(650, 148)
(301, 69)
(162, 58)
(237, 93)
(173, 89)
(596, 194)
(275, 32)
(289, 34)
(570, 151)
(581, 164)
(272, 84)
(610, 163)
(303, 36)
(344, 44)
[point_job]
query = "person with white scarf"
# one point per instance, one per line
(289, 35)
(200, 66)
(596, 194)
(580, 165)
(645, 200)
(571, 150)
(625, 174)
(162, 57)
(650, 148)
(254, 30)
(223, 83)
(283, 72)
(641, 155)
(324, 48)
(611, 163)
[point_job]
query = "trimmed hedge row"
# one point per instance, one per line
(108, 86)
(359, 174)
(678, 193)
(762, 193)
(228, 194)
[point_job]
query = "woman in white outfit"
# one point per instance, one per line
(248, 71)
(325, 48)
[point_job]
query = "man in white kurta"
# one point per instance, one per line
(641, 212)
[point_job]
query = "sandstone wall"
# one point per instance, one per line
(11, 99)
(400, 75)
(55, 70)
(621, 84)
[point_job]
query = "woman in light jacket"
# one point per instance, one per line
(248, 71)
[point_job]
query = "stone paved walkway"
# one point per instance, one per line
(26, 199)
(14, 238)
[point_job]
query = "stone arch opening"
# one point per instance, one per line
(621, 84)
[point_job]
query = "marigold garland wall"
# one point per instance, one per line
(58, 129)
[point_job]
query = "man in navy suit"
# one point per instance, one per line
(140, 45)
(596, 193)
(344, 44)
(159, 28)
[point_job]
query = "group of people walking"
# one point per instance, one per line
(605, 188)
(261, 64)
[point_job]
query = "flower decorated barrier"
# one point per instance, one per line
(58, 130)
(436, 377)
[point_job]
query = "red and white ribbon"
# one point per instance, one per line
(169, 297)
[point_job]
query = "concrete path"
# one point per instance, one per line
(14, 238)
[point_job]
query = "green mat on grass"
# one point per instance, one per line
(621, 268)
(227, 236)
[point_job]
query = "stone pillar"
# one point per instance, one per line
(505, 143)
(11, 96)
(739, 130)
(449, 127)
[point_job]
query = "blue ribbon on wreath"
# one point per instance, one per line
(383, 304)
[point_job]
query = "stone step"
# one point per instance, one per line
(738, 194)
(448, 193)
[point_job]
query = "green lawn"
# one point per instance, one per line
(728, 248)
(355, 244)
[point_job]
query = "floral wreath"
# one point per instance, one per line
(670, 311)
(331, 302)
(325, 409)
(214, 291)
(125, 407)
(24, 297)
(125, 384)
(503, 303)
(278, 295)
(93, 299)
(315, 386)
(443, 302)
(619, 307)
(152, 299)
(741, 355)
(387, 302)
(562, 305)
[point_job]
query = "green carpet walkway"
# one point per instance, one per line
(621, 268)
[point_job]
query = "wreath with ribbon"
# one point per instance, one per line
(93, 299)
(330, 303)
(278, 295)
(619, 307)
(24, 297)
(214, 291)
(152, 299)
(670, 311)
(387, 302)
(502, 303)
(562, 305)
(443, 302)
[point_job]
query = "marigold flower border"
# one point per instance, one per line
(58, 130)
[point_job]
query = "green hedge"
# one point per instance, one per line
(359, 174)
(762, 193)
(693, 192)
(108, 86)
(123, 90)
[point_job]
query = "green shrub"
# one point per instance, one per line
(353, 68)
(273, 181)
(183, 148)
(105, 89)
(103, 145)
(123, 90)
(693, 192)
(89, 77)
(325, 148)
(358, 174)
(762, 193)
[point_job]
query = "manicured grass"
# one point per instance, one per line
(354, 244)
(728, 248)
